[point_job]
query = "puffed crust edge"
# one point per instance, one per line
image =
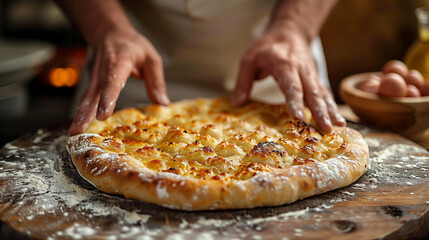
(122, 174)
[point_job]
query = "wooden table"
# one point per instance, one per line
(42, 196)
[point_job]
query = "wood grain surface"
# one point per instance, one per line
(43, 197)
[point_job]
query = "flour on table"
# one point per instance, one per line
(372, 142)
(397, 149)
(51, 188)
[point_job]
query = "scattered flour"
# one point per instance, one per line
(53, 191)
(396, 149)
(348, 193)
(372, 142)
(41, 134)
(77, 231)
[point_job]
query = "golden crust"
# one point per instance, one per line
(203, 154)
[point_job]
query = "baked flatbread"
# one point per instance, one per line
(203, 154)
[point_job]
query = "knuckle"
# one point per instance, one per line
(328, 98)
(327, 92)
(294, 86)
(154, 58)
(306, 71)
(110, 80)
(109, 58)
(314, 100)
(330, 103)
(286, 63)
(247, 59)
(120, 65)
(113, 78)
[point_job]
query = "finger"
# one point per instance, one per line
(113, 83)
(290, 84)
(334, 114)
(246, 77)
(88, 103)
(314, 99)
(154, 80)
(85, 113)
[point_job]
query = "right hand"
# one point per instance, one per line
(117, 55)
(284, 53)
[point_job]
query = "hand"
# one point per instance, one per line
(285, 54)
(119, 54)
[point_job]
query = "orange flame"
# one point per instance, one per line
(63, 76)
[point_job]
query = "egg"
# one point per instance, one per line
(412, 91)
(424, 89)
(392, 85)
(369, 85)
(395, 66)
(415, 78)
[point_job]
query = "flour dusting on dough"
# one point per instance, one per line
(161, 190)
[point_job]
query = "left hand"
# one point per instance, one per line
(285, 54)
(118, 54)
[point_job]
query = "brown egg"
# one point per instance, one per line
(369, 85)
(415, 78)
(424, 90)
(392, 85)
(413, 91)
(395, 66)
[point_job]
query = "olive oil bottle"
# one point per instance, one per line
(417, 57)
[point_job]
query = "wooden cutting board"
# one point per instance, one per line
(42, 196)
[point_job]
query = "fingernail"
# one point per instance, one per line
(238, 98)
(101, 110)
(341, 119)
(327, 123)
(100, 113)
(84, 126)
(163, 99)
(300, 115)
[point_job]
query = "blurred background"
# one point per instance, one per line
(42, 56)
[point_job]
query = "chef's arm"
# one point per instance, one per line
(304, 16)
(95, 18)
(119, 51)
(284, 53)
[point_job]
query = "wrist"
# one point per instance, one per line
(99, 32)
(96, 18)
(283, 29)
(301, 17)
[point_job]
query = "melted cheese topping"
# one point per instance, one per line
(207, 139)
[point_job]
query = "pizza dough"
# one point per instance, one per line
(203, 154)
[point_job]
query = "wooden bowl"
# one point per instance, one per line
(407, 116)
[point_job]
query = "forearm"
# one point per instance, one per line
(305, 16)
(94, 18)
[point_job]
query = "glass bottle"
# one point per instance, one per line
(417, 57)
